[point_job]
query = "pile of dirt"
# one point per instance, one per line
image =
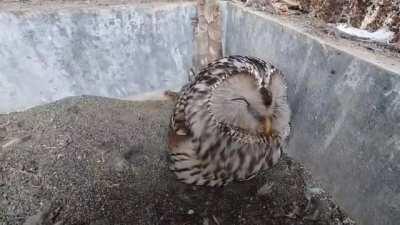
(92, 160)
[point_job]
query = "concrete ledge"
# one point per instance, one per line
(346, 109)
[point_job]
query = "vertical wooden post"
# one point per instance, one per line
(208, 45)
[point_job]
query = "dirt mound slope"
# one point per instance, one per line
(93, 160)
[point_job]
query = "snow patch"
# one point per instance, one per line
(148, 96)
(381, 35)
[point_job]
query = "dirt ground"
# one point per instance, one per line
(93, 160)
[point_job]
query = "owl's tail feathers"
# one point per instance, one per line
(172, 95)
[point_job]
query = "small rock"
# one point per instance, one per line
(119, 164)
(191, 211)
(15, 141)
(265, 189)
(315, 191)
(3, 133)
(12, 142)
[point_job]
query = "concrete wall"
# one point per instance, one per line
(345, 101)
(346, 110)
(115, 51)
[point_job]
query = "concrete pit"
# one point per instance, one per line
(93, 160)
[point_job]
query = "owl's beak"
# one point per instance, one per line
(268, 126)
(265, 121)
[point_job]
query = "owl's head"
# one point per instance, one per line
(245, 102)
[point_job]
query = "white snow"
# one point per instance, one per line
(148, 96)
(381, 35)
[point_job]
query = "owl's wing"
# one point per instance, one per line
(178, 121)
(281, 109)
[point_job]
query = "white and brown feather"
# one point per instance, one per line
(214, 140)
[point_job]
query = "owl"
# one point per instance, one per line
(229, 122)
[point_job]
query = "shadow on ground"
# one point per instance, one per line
(92, 160)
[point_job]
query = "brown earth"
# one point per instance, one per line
(365, 14)
(318, 18)
(92, 160)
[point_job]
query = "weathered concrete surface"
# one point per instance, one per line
(346, 110)
(63, 2)
(91, 160)
(49, 53)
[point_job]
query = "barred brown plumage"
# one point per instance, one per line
(229, 122)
